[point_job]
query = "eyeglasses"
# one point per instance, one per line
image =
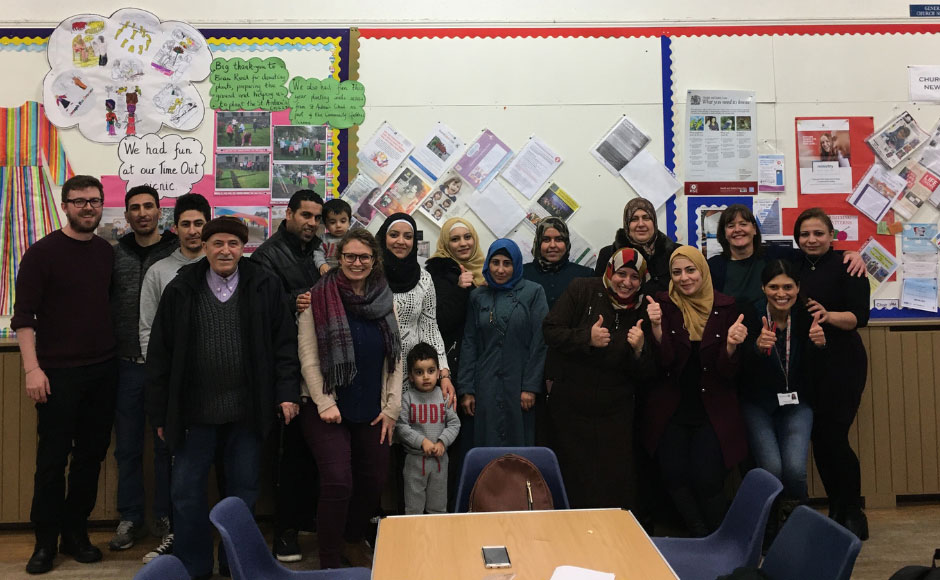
(81, 202)
(351, 258)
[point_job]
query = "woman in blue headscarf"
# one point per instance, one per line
(503, 352)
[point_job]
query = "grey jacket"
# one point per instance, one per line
(155, 280)
(126, 280)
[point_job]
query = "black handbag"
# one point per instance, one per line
(919, 572)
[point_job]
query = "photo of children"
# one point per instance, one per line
(301, 142)
(243, 130)
(447, 199)
(257, 218)
(292, 177)
(405, 194)
(243, 171)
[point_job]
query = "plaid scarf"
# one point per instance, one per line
(330, 300)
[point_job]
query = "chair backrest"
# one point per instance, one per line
(248, 553)
(810, 546)
(543, 458)
(746, 519)
(165, 567)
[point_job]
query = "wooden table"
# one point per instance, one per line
(448, 546)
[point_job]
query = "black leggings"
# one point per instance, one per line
(690, 456)
(836, 461)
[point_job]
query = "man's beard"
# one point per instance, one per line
(76, 225)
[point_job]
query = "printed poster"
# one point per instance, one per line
(831, 153)
(257, 218)
(439, 148)
(721, 143)
(532, 167)
(554, 202)
(404, 194)
(483, 160)
(877, 192)
(359, 194)
(448, 199)
(921, 184)
(879, 263)
(381, 155)
(770, 174)
(620, 145)
(897, 140)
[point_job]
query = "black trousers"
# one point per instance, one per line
(836, 462)
(76, 420)
(296, 478)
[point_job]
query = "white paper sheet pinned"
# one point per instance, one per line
(497, 208)
(650, 178)
(576, 573)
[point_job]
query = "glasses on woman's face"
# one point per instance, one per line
(361, 258)
(81, 202)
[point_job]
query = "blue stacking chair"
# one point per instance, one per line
(165, 567)
(737, 542)
(543, 458)
(249, 557)
(810, 546)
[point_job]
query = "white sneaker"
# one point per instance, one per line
(165, 547)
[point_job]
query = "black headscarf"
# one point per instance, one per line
(402, 273)
(545, 223)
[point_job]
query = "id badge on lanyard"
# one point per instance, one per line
(787, 398)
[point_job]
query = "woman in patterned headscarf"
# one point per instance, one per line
(551, 267)
(597, 333)
(641, 232)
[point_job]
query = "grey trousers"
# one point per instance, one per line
(425, 484)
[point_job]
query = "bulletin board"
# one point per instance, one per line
(568, 86)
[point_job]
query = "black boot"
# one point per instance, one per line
(856, 522)
(689, 510)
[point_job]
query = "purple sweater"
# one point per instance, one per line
(62, 291)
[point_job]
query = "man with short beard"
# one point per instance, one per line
(67, 343)
(289, 254)
(133, 255)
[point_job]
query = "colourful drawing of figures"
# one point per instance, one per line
(110, 117)
(134, 37)
(83, 54)
(72, 94)
(175, 56)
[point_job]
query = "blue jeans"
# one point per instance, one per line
(129, 424)
(780, 443)
(241, 453)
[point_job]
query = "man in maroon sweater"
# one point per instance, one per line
(66, 338)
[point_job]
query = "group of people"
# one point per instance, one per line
(651, 376)
(300, 147)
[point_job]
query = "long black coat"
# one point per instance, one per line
(451, 307)
(591, 406)
(269, 341)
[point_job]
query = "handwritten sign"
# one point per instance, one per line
(169, 164)
(314, 102)
(248, 84)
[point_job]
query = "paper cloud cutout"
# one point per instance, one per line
(127, 74)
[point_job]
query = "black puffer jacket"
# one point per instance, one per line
(657, 266)
(269, 342)
(284, 255)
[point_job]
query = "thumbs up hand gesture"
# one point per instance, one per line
(466, 277)
(816, 333)
(600, 336)
(737, 332)
(767, 337)
(654, 311)
(635, 337)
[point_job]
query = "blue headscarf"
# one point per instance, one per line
(508, 247)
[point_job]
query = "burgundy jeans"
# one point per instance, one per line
(353, 467)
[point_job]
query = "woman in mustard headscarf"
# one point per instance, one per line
(693, 424)
(456, 268)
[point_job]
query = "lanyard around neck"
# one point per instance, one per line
(784, 361)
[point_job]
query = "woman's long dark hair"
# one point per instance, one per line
(777, 268)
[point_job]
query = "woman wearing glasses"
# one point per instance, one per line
(349, 349)
(503, 352)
